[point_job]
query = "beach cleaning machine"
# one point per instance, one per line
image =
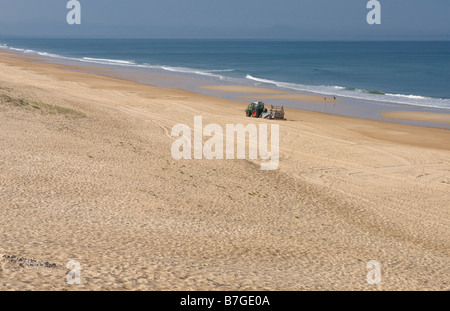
(257, 110)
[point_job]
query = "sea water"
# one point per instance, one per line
(405, 73)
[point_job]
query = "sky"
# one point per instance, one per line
(240, 19)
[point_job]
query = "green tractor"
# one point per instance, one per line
(257, 110)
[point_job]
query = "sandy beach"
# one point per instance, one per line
(86, 174)
(418, 116)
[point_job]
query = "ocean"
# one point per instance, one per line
(406, 73)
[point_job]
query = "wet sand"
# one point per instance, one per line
(266, 93)
(418, 116)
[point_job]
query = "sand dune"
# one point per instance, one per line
(86, 174)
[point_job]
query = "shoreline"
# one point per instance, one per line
(87, 174)
(304, 101)
(411, 134)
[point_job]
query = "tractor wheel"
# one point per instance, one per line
(254, 114)
(248, 114)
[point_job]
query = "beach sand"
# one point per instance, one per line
(86, 174)
(418, 116)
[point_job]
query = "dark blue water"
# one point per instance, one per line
(416, 73)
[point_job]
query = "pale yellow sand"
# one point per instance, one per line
(418, 116)
(86, 174)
